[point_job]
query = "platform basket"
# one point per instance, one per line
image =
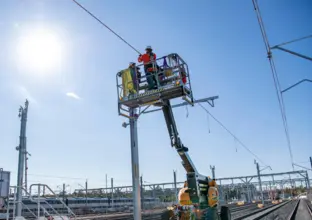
(169, 74)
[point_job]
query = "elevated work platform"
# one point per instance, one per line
(143, 85)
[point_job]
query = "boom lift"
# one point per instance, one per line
(173, 80)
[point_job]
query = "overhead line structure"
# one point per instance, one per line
(22, 151)
(300, 172)
(275, 78)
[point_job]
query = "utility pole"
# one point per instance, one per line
(63, 191)
(106, 184)
(175, 186)
(21, 157)
(112, 186)
(63, 194)
(311, 162)
(260, 185)
(213, 172)
(142, 197)
(86, 185)
(135, 165)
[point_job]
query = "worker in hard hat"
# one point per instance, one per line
(213, 194)
(184, 196)
(135, 75)
(213, 200)
(148, 60)
(186, 211)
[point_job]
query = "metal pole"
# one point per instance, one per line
(38, 202)
(63, 194)
(213, 172)
(311, 162)
(106, 184)
(175, 186)
(63, 191)
(260, 185)
(112, 186)
(142, 202)
(86, 184)
(21, 157)
(308, 182)
(106, 191)
(247, 188)
(135, 165)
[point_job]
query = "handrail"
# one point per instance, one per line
(158, 75)
(44, 185)
(33, 199)
(29, 210)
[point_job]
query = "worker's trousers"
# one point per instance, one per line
(150, 80)
(212, 214)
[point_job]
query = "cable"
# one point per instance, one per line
(275, 78)
(59, 177)
(106, 26)
(235, 138)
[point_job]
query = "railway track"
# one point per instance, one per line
(252, 212)
(151, 215)
(290, 210)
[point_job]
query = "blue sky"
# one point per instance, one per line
(222, 44)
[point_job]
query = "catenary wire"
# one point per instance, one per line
(92, 15)
(275, 78)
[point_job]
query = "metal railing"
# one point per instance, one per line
(39, 199)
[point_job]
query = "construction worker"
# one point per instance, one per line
(149, 66)
(213, 200)
(186, 211)
(135, 75)
(184, 196)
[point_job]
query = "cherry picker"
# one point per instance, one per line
(171, 76)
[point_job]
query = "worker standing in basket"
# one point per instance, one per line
(148, 60)
(135, 75)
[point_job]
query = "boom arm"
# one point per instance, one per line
(198, 184)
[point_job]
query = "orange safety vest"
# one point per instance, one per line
(184, 197)
(213, 196)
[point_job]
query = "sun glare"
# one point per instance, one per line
(40, 50)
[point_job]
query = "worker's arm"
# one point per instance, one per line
(140, 58)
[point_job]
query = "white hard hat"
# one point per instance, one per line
(148, 48)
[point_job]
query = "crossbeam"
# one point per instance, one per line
(292, 52)
(209, 100)
(264, 175)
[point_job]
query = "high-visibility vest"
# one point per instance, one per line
(213, 196)
(184, 197)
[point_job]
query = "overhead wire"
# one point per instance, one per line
(101, 22)
(275, 78)
(233, 135)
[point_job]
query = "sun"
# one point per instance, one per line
(40, 50)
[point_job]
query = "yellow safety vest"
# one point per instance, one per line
(213, 196)
(184, 197)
